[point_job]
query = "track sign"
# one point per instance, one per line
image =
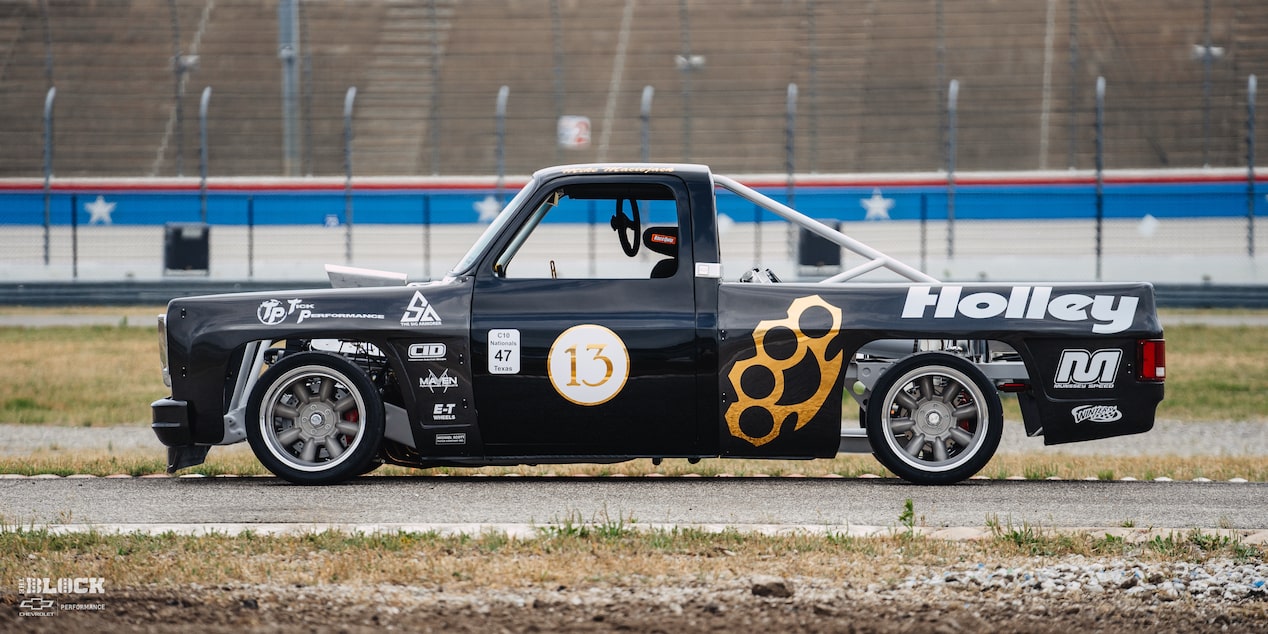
(573, 132)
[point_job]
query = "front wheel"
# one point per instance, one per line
(934, 419)
(315, 418)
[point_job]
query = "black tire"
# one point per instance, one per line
(330, 434)
(923, 438)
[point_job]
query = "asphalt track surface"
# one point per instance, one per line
(419, 502)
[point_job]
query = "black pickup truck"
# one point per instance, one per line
(527, 352)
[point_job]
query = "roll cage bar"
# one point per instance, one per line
(876, 259)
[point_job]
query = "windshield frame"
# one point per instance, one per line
(467, 264)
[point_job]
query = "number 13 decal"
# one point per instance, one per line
(598, 356)
(588, 364)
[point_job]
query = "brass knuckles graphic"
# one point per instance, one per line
(829, 370)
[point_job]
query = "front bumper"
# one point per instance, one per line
(171, 422)
(171, 425)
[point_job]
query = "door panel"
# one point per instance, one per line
(588, 362)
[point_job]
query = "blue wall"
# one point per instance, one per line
(291, 206)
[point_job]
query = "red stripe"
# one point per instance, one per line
(301, 185)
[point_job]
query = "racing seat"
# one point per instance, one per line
(663, 240)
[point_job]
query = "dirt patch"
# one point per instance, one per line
(685, 606)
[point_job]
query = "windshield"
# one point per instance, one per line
(495, 228)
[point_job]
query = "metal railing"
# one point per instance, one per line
(416, 119)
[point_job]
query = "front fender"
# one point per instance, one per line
(206, 333)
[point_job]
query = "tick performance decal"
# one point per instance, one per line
(764, 364)
(1108, 313)
(274, 311)
(588, 364)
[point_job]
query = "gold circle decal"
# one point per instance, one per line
(588, 364)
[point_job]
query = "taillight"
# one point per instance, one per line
(1151, 360)
(162, 336)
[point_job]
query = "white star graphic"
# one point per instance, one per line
(877, 206)
(99, 211)
(487, 209)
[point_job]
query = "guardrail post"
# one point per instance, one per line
(433, 113)
(178, 72)
(790, 140)
(1207, 58)
(645, 116)
(684, 33)
(288, 53)
(500, 114)
(924, 233)
(1100, 169)
(202, 153)
(953, 96)
(250, 237)
(48, 164)
(1074, 82)
(427, 236)
(74, 236)
(1251, 86)
(348, 100)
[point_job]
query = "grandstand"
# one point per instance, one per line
(871, 76)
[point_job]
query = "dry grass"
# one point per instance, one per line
(99, 375)
(129, 314)
(565, 552)
(238, 460)
(1216, 373)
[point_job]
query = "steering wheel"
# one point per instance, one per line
(626, 229)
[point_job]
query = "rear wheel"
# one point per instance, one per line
(934, 419)
(315, 418)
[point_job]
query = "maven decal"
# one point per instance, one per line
(1109, 313)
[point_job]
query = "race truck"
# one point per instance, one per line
(536, 348)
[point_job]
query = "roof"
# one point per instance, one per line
(689, 170)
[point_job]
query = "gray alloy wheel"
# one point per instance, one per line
(315, 418)
(934, 419)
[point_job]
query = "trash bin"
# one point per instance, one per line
(186, 248)
(814, 250)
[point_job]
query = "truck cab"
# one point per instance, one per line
(593, 321)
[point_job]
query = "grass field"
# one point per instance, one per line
(108, 375)
(566, 551)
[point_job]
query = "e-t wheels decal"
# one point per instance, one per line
(760, 382)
